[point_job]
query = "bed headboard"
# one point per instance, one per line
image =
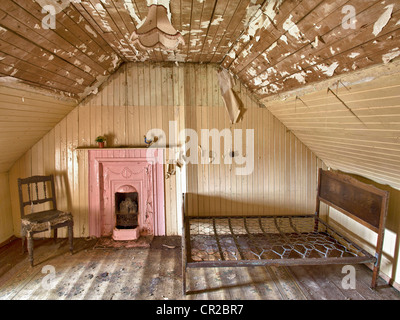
(363, 202)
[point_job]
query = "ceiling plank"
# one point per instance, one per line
(14, 45)
(235, 28)
(39, 80)
(214, 27)
(15, 66)
(198, 30)
(285, 67)
(306, 16)
(53, 40)
(373, 54)
(224, 23)
(274, 10)
(186, 17)
(91, 26)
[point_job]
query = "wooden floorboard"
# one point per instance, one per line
(155, 274)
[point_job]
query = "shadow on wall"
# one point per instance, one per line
(207, 205)
(392, 220)
(63, 193)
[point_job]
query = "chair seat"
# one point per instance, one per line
(47, 220)
(44, 220)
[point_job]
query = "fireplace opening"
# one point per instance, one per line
(126, 210)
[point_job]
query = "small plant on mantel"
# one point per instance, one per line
(100, 140)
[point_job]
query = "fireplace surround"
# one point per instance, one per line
(126, 193)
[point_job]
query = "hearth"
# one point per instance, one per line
(126, 216)
(126, 210)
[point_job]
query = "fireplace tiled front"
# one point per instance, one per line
(126, 193)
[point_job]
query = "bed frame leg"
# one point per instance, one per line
(377, 264)
(374, 278)
(375, 275)
(183, 247)
(184, 280)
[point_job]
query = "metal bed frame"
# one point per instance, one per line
(288, 240)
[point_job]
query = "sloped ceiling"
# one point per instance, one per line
(352, 125)
(271, 45)
(26, 115)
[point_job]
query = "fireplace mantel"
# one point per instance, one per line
(112, 148)
(126, 148)
(112, 170)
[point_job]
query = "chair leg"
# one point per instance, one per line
(71, 237)
(30, 249)
(184, 281)
(55, 235)
(23, 238)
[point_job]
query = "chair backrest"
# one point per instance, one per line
(33, 188)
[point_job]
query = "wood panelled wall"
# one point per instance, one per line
(6, 220)
(142, 96)
(283, 180)
(124, 109)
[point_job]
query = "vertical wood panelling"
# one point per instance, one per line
(142, 96)
(284, 176)
(6, 220)
(124, 110)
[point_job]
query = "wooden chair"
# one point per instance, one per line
(46, 220)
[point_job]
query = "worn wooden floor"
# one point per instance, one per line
(155, 274)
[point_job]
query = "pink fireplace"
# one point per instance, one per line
(126, 193)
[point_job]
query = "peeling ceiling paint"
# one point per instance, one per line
(387, 57)
(271, 46)
(383, 20)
